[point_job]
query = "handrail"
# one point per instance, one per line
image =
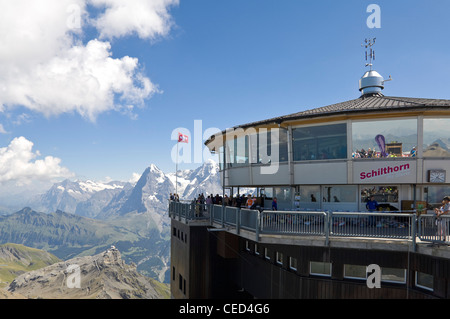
(434, 230)
(405, 225)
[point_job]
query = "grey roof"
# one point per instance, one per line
(363, 104)
(367, 103)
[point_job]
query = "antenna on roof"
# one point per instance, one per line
(370, 53)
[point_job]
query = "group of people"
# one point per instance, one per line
(248, 201)
(370, 153)
(373, 153)
(242, 201)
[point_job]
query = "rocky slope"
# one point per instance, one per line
(17, 259)
(102, 276)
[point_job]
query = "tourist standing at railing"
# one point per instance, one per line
(442, 223)
(372, 206)
(249, 202)
(238, 201)
(274, 204)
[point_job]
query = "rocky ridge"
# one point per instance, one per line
(102, 276)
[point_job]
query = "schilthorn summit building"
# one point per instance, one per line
(323, 167)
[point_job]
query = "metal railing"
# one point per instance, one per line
(296, 223)
(323, 224)
(434, 230)
(372, 225)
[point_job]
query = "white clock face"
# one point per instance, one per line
(437, 177)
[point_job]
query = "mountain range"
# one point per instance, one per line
(108, 200)
(81, 218)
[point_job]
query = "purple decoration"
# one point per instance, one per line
(381, 144)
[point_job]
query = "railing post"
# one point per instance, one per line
(414, 230)
(258, 225)
(327, 227)
(238, 220)
(223, 215)
(210, 212)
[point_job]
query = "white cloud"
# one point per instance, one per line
(45, 68)
(147, 19)
(19, 164)
(134, 178)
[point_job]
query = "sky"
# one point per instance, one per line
(96, 89)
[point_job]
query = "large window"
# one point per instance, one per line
(337, 194)
(384, 138)
(284, 197)
(435, 194)
(436, 137)
(237, 151)
(308, 197)
(382, 194)
(269, 146)
(320, 142)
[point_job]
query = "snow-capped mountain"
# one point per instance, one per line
(151, 192)
(76, 196)
(205, 179)
(113, 199)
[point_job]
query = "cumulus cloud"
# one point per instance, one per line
(147, 19)
(20, 165)
(134, 178)
(45, 67)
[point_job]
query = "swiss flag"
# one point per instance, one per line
(183, 138)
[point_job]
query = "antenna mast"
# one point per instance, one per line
(370, 53)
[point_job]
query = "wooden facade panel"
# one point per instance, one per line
(204, 261)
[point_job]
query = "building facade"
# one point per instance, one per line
(322, 165)
(336, 157)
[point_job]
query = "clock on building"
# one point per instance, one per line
(436, 176)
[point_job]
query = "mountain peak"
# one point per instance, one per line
(155, 169)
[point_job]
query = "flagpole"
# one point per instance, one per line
(176, 173)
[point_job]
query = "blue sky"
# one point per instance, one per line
(222, 62)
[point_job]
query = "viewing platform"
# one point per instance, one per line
(400, 231)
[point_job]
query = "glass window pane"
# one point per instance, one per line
(272, 146)
(382, 194)
(424, 280)
(320, 268)
(230, 153)
(320, 142)
(221, 158)
(309, 197)
(435, 194)
(293, 263)
(342, 193)
(241, 146)
(355, 271)
(284, 198)
(393, 274)
(279, 257)
(436, 137)
(384, 138)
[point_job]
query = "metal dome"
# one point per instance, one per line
(371, 83)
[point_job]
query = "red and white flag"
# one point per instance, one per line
(183, 138)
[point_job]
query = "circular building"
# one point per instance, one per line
(335, 157)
